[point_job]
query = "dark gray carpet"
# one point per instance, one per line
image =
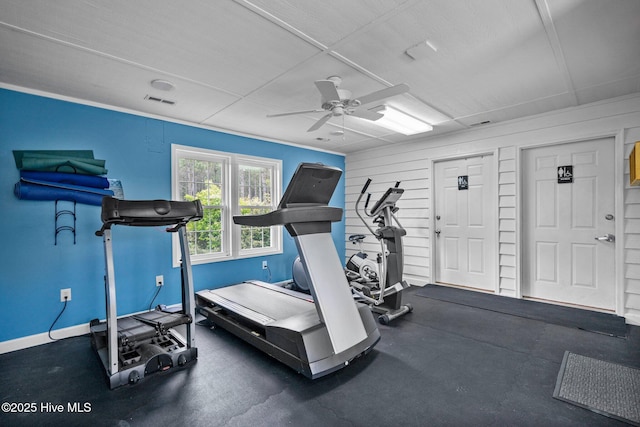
(602, 387)
(587, 320)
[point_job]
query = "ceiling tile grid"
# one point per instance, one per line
(232, 63)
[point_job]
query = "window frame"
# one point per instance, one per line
(231, 233)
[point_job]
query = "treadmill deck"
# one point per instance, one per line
(260, 302)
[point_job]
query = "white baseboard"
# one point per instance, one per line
(43, 338)
(414, 280)
(632, 319)
(507, 293)
(58, 334)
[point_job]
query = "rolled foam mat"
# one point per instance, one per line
(74, 161)
(66, 178)
(36, 191)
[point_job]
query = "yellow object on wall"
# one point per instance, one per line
(634, 165)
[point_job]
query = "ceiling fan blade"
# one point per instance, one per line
(295, 112)
(367, 114)
(328, 90)
(320, 122)
(384, 93)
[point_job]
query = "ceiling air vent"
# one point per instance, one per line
(486, 122)
(161, 100)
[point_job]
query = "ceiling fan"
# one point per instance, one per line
(338, 102)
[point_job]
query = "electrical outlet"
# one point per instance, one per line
(264, 265)
(159, 280)
(65, 295)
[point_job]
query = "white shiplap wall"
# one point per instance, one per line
(507, 220)
(411, 163)
(414, 206)
(631, 258)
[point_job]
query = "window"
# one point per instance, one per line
(254, 198)
(226, 184)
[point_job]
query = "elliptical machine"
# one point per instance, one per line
(380, 284)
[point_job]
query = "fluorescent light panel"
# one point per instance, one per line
(400, 122)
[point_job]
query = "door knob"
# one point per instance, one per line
(607, 238)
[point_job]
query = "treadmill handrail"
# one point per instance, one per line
(291, 216)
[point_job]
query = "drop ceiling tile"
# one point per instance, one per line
(603, 30)
(608, 90)
(529, 108)
(217, 43)
(489, 55)
(327, 21)
(364, 145)
(98, 79)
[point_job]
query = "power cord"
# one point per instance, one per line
(54, 322)
(154, 297)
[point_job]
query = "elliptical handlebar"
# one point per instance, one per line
(388, 200)
(366, 204)
(366, 185)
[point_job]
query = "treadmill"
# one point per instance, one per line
(137, 345)
(313, 334)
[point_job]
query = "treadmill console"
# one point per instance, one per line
(148, 213)
(304, 207)
(312, 184)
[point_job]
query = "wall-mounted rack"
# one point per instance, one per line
(60, 228)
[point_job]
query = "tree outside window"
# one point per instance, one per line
(254, 198)
(202, 180)
(226, 184)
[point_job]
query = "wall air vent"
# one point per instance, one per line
(486, 122)
(161, 100)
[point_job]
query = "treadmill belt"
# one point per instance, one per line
(130, 331)
(263, 301)
(162, 321)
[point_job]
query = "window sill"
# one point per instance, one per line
(220, 258)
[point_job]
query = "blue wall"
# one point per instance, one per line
(137, 151)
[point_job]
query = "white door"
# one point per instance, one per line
(465, 222)
(562, 259)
